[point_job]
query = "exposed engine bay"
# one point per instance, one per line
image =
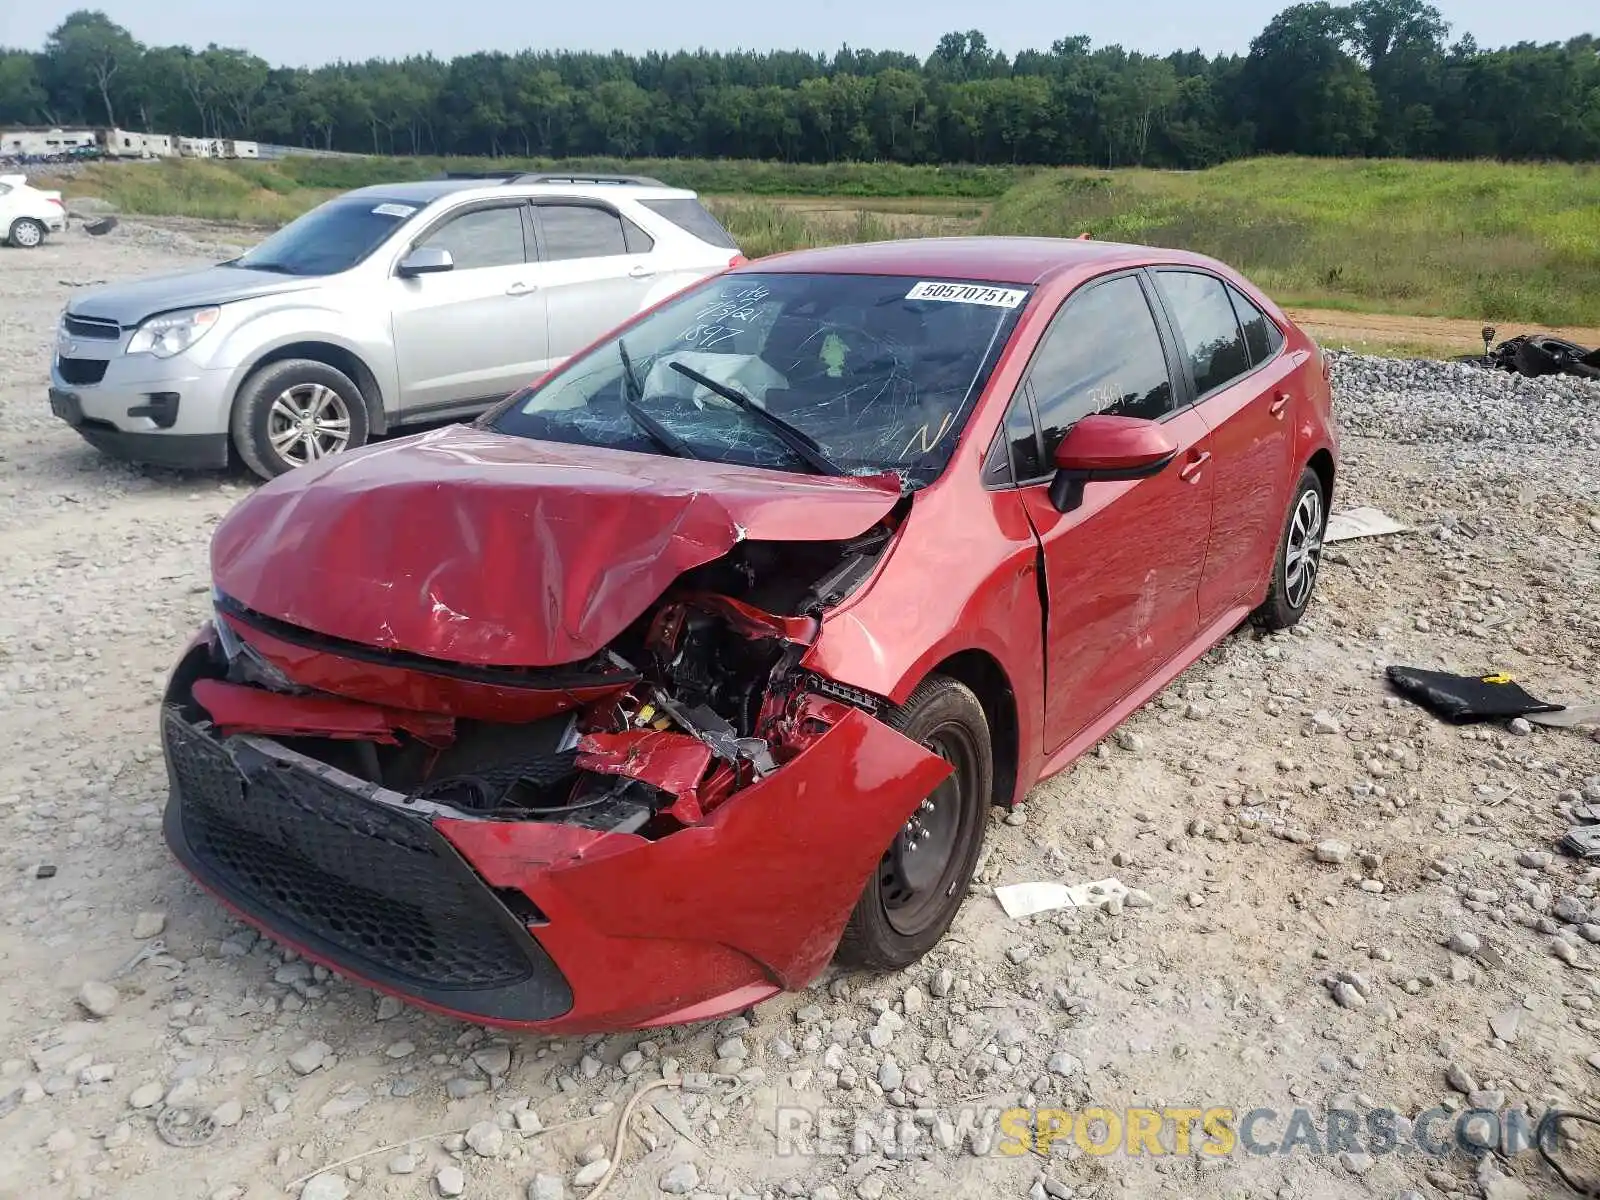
(700, 696)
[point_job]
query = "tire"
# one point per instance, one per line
(261, 425)
(26, 233)
(894, 923)
(1290, 593)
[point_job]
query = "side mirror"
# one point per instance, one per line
(1102, 448)
(425, 260)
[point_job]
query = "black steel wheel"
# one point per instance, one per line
(918, 885)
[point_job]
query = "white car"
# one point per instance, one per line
(390, 306)
(28, 213)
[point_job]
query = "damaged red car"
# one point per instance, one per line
(703, 659)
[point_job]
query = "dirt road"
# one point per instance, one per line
(1282, 818)
(1439, 335)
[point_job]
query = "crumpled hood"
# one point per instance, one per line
(132, 302)
(476, 547)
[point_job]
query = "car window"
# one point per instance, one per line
(486, 237)
(879, 371)
(1210, 331)
(332, 237)
(1261, 336)
(1022, 435)
(580, 231)
(1101, 354)
(692, 217)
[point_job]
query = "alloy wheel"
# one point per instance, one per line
(27, 235)
(306, 422)
(1303, 555)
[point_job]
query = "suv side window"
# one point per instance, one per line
(1261, 336)
(1205, 319)
(1101, 354)
(584, 231)
(484, 237)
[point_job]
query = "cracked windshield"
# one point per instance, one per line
(828, 374)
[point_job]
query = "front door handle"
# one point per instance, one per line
(520, 289)
(1192, 468)
(641, 272)
(1279, 403)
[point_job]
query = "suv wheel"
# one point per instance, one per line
(294, 412)
(26, 233)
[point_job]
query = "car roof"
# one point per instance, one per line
(426, 191)
(1013, 260)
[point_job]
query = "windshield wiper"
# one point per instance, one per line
(659, 433)
(798, 440)
(273, 267)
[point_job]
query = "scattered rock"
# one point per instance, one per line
(309, 1057)
(680, 1179)
(451, 1181)
(486, 1139)
(149, 924)
(98, 999)
(1332, 851)
(327, 1186)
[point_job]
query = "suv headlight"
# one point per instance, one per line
(173, 333)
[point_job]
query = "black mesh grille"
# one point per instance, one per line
(380, 885)
(82, 370)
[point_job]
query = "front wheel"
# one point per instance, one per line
(26, 233)
(918, 885)
(1299, 557)
(295, 412)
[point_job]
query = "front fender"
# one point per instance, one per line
(273, 322)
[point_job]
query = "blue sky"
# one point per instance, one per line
(309, 32)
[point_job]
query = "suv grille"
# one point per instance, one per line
(380, 886)
(93, 327)
(82, 370)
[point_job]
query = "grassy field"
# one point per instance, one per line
(1480, 241)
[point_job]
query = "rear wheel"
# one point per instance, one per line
(26, 233)
(295, 412)
(1299, 558)
(918, 885)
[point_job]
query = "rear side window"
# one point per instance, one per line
(488, 237)
(584, 231)
(1210, 331)
(1261, 336)
(693, 218)
(1101, 354)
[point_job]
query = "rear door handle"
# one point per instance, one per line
(1192, 468)
(520, 289)
(1279, 403)
(641, 272)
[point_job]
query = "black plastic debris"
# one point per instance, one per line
(45, 871)
(101, 227)
(1464, 699)
(1536, 354)
(1581, 841)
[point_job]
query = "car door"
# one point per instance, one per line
(1122, 570)
(1243, 389)
(465, 337)
(596, 268)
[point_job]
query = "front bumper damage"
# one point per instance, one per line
(582, 850)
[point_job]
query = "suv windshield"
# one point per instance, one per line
(873, 373)
(332, 237)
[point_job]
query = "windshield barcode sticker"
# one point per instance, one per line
(967, 293)
(393, 210)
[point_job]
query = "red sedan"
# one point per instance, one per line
(702, 660)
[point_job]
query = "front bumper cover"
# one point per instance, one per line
(535, 924)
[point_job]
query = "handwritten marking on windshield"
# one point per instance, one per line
(706, 336)
(922, 442)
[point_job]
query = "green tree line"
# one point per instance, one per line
(1375, 77)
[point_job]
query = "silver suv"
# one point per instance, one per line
(401, 304)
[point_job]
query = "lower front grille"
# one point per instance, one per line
(82, 371)
(329, 866)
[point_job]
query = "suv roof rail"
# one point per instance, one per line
(584, 177)
(507, 176)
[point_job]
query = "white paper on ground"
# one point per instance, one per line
(1025, 899)
(1361, 522)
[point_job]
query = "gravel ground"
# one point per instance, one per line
(1340, 902)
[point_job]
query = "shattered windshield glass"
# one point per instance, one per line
(852, 374)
